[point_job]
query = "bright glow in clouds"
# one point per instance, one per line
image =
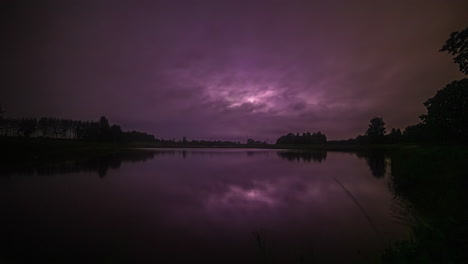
(262, 98)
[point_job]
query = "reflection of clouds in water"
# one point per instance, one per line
(275, 193)
(236, 196)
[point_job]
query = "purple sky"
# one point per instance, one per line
(227, 69)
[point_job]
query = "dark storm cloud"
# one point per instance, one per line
(228, 69)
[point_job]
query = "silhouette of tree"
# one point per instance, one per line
(362, 140)
(447, 112)
(457, 45)
(376, 130)
(249, 142)
(92, 131)
(104, 131)
(116, 134)
(70, 129)
(137, 136)
(418, 133)
(10, 127)
(43, 126)
(2, 122)
(79, 129)
(27, 127)
(55, 124)
(305, 138)
(395, 136)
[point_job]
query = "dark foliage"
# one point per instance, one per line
(447, 112)
(395, 136)
(457, 45)
(315, 138)
(70, 129)
(211, 143)
(376, 131)
(255, 142)
(416, 134)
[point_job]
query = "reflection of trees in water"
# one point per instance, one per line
(305, 156)
(207, 152)
(257, 153)
(101, 165)
(376, 162)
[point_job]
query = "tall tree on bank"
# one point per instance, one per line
(104, 130)
(376, 131)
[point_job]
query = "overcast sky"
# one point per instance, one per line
(227, 69)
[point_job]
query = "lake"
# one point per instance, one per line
(201, 205)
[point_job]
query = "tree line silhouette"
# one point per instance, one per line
(315, 138)
(100, 131)
(48, 127)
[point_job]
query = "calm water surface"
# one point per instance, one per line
(201, 205)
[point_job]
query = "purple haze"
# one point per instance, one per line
(227, 69)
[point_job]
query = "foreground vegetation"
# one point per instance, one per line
(431, 183)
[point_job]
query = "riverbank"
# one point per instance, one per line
(45, 149)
